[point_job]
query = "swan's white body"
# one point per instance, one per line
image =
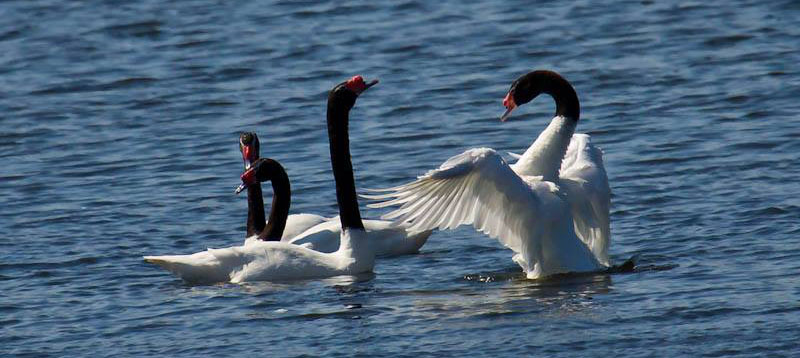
(271, 260)
(322, 234)
(315, 252)
(551, 207)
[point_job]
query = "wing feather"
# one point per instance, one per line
(476, 187)
(583, 177)
(425, 195)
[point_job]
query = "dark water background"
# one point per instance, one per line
(118, 138)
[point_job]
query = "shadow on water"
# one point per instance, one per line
(510, 292)
(629, 266)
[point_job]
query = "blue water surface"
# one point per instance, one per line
(119, 124)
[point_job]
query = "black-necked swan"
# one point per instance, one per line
(317, 232)
(274, 260)
(269, 259)
(250, 147)
(551, 207)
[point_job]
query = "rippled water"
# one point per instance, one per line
(119, 126)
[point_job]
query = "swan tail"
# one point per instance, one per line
(198, 267)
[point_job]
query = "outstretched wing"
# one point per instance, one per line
(476, 187)
(583, 177)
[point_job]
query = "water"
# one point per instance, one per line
(119, 139)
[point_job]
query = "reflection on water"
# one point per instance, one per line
(510, 294)
(489, 294)
(339, 282)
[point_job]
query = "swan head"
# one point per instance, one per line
(523, 90)
(263, 169)
(348, 91)
(249, 146)
(530, 85)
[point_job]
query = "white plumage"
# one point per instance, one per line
(315, 252)
(322, 234)
(259, 260)
(387, 240)
(553, 226)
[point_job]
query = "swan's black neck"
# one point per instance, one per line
(255, 210)
(249, 146)
(542, 81)
(281, 200)
(340, 101)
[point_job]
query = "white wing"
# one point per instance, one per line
(296, 224)
(583, 177)
(387, 240)
(478, 187)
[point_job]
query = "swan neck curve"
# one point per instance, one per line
(567, 104)
(281, 200)
(544, 156)
(339, 104)
(530, 85)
